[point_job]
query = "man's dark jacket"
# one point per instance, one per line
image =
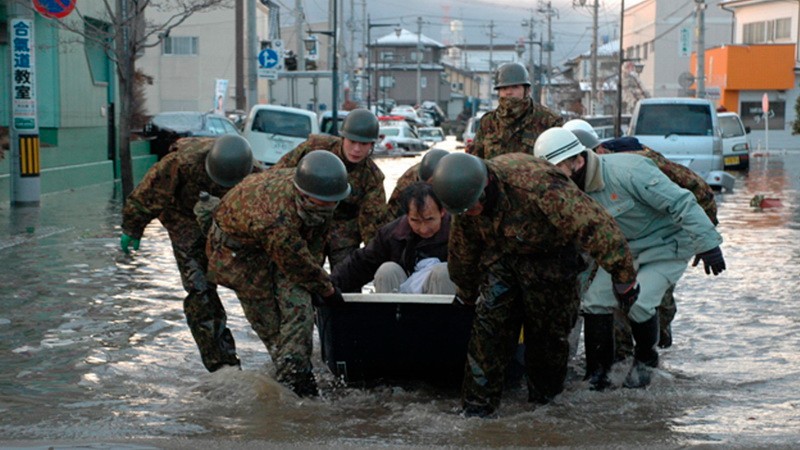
(395, 242)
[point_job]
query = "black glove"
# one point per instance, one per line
(334, 299)
(712, 260)
(626, 294)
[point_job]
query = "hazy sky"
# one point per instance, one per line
(571, 26)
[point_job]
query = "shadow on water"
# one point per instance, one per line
(94, 346)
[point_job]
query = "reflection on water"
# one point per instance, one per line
(94, 346)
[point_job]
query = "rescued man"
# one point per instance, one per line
(358, 217)
(422, 171)
(169, 192)
(664, 226)
(518, 120)
(408, 255)
(518, 227)
(267, 244)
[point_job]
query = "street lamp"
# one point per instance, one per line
(334, 70)
(370, 26)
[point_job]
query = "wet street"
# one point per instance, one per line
(95, 352)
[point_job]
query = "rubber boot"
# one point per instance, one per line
(645, 354)
(598, 336)
(304, 385)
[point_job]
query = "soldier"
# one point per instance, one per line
(409, 254)
(266, 243)
(515, 239)
(664, 226)
(359, 216)
(421, 171)
(683, 177)
(516, 123)
(169, 191)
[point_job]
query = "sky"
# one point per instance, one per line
(571, 26)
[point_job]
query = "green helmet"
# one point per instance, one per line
(360, 125)
(511, 74)
(429, 162)
(230, 160)
(459, 180)
(322, 175)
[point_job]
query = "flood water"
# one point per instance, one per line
(95, 352)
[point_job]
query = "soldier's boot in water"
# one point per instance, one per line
(477, 409)
(304, 385)
(207, 321)
(645, 354)
(599, 342)
(227, 353)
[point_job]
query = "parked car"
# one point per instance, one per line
(472, 128)
(326, 124)
(165, 128)
(274, 131)
(431, 135)
(685, 130)
(399, 139)
(735, 142)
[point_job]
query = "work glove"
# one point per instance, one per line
(204, 210)
(626, 294)
(334, 299)
(125, 241)
(712, 260)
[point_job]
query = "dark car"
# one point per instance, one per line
(167, 127)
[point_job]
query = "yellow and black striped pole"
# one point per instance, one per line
(29, 163)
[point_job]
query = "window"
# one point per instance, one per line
(180, 45)
(99, 65)
(387, 56)
(783, 28)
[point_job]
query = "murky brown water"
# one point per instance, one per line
(94, 349)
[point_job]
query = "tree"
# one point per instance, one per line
(124, 33)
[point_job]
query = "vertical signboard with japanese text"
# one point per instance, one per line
(24, 127)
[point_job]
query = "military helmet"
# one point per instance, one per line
(587, 139)
(230, 160)
(511, 74)
(322, 175)
(557, 144)
(580, 124)
(459, 180)
(429, 163)
(360, 125)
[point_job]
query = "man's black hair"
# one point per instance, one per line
(417, 193)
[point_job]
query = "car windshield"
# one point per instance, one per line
(429, 133)
(666, 119)
(283, 123)
(178, 122)
(390, 131)
(731, 126)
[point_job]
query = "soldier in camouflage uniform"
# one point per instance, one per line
(664, 226)
(359, 216)
(267, 244)
(418, 172)
(683, 177)
(516, 123)
(169, 191)
(518, 227)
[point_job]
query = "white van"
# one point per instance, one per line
(274, 131)
(685, 130)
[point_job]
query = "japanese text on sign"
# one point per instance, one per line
(22, 74)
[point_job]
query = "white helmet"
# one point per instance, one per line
(556, 145)
(580, 124)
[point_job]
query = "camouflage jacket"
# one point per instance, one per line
(687, 179)
(408, 178)
(539, 214)
(358, 217)
(495, 137)
(261, 231)
(169, 192)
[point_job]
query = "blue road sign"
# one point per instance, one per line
(267, 58)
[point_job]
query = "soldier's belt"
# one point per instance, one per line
(221, 236)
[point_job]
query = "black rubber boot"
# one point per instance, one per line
(598, 336)
(644, 353)
(305, 385)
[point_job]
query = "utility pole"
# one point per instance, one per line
(536, 80)
(491, 63)
(593, 102)
(252, 55)
(419, 61)
(241, 100)
(549, 12)
(701, 48)
(618, 118)
(299, 19)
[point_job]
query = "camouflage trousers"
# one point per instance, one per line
(283, 318)
(204, 312)
(547, 307)
(623, 340)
